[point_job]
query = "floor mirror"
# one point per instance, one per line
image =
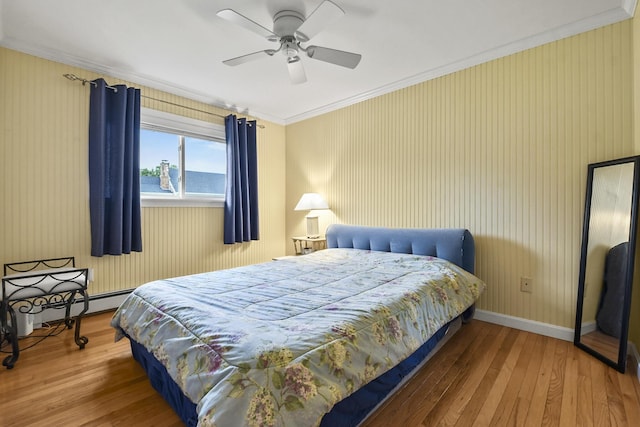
(607, 260)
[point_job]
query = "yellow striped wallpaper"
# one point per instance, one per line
(500, 148)
(45, 210)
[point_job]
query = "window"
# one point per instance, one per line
(182, 161)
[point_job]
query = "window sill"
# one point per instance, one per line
(151, 202)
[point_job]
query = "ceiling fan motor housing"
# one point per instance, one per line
(286, 22)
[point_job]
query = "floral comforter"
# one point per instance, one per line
(278, 344)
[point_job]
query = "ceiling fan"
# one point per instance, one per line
(290, 29)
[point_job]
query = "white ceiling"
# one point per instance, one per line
(178, 45)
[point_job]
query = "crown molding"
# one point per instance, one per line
(610, 17)
(135, 78)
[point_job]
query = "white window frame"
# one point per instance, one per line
(173, 123)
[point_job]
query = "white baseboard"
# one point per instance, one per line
(96, 304)
(540, 328)
(588, 327)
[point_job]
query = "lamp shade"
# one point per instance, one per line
(310, 201)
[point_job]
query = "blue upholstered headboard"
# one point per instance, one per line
(453, 244)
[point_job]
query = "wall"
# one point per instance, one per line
(501, 149)
(44, 171)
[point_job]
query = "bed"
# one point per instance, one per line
(319, 339)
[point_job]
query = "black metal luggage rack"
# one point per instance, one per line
(34, 286)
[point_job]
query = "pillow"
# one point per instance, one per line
(609, 316)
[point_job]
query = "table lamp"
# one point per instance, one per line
(310, 202)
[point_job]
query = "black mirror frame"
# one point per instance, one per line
(620, 364)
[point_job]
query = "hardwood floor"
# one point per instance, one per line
(487, 375)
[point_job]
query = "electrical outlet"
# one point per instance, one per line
(526, 284)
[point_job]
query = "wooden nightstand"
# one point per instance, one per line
(304, 245)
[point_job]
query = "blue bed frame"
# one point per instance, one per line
(455, 245)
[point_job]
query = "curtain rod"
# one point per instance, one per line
(84, 81)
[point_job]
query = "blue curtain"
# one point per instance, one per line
(241, 193)
(114, 169)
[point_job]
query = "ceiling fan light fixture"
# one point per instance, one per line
(296, 70)
(290, 47)
(290, 52)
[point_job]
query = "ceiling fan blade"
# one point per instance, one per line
(296, 70)
(337, 57)
(241, 20)
(318, 20)
(248, 57)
